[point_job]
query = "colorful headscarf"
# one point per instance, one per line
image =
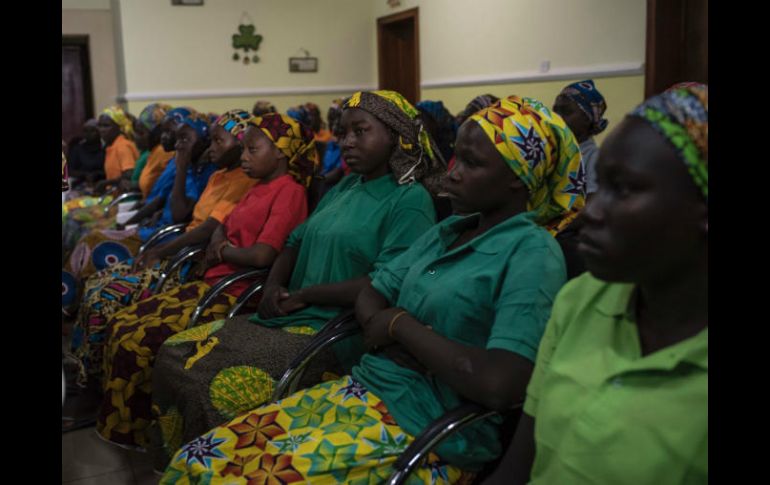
(681, 115)
(152, 115)
(193, 119)
(295, 140)
(590, 101)
(262, 107)
(416, 158)
(477, 104)
(235, 122)
(121, 119)
(543, 153)
(303, 113)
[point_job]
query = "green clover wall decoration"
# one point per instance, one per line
(246, 40)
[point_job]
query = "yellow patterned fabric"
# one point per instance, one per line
(134, 336)
(121, 119)
(335, 432)
(539, 147)
(294, 140)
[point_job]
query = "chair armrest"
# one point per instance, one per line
(221, 286)
(451, 422)
(121, 198)
(249, 292)
(338, 328)
(183, 255)
(160, 234)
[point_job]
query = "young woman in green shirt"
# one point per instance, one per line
(458, 315)
(620, 388)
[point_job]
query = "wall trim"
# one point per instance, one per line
(557, 74)
(241, 93)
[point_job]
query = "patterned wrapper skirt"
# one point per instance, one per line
(81, 215)
(105, 293)
(335, 432)
(133, 337)
(209, 374)
(94, 252)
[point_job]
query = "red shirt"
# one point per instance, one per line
(267, 214)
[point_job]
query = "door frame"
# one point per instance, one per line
(88, 92)
(382, 22)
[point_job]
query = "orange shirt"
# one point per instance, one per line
(323, 136)
(156, 164)
(222, 193)
(119, 157)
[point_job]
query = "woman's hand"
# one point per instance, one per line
(270, 304)
(146, 260)
(292, 302)
(213, 252)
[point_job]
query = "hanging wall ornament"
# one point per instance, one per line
(246, 40)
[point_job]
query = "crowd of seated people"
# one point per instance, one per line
(498, 257)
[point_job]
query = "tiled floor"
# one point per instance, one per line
(88, 460)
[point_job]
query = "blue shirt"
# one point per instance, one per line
(195, 183)
(332, 157)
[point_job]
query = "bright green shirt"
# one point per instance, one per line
(356, 228)
(605, 414)
(493, 292)
(140, 163)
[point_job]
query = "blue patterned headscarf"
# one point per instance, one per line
(590, 101)
(188, 116)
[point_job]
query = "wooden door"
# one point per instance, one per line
(76, 95)
(677, 43)
(398, 48)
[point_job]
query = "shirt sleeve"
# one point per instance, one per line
(412, 216)
(288, 210)
(524, 304)
(389, 278)
(126, 158)
(553, 332)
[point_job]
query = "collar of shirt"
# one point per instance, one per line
(619, 302)
(378, 188)
(486, 243)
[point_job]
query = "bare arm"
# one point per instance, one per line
(516, 465)
(259, 255)
(276, 283)
(146, 211)
(342, 294)
(181, 205)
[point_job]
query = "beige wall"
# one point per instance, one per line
(180, 51)
(468, 47)
(97, 24)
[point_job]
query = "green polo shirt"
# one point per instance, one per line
(493, 292)
(357, 227)
(605, 414)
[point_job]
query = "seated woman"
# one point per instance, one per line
(86, 158)
(619, 392)
(116, 132)
(582, 106)
(123, 284)
(458, 316)
(279, 153)
(173, 202)
(362, 223)
(148, 129)
(262, 108)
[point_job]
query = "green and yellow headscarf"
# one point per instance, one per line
(416, 157)
(295, 140)
(542, 151)
(121, 119)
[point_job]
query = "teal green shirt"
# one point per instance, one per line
(140, 163)
(356, 228)
(603, 412)
(494, 292)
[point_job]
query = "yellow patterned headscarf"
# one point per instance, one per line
(295, 140)
(121, 119)
(536, 143)
(416, 157)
